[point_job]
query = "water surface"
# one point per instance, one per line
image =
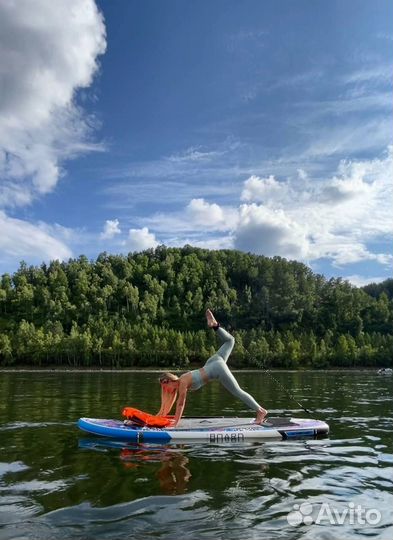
(56, 482)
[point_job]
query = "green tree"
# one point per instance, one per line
(6, 356)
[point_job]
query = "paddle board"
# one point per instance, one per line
(207, 430)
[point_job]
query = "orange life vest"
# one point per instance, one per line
(144, 418)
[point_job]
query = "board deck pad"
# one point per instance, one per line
(279, 422)
(209, 429)
(222, 423)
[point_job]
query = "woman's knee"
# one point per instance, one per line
(231, 340)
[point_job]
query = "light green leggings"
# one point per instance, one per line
(216, 369)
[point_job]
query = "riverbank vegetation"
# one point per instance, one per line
(147, 309)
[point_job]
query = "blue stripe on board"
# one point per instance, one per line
(301, 433)
(127, 434)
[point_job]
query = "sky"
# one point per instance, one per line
(259, 126)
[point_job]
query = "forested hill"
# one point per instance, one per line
(148, 309)
(376, 289)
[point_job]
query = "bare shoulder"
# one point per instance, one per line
(185, 380)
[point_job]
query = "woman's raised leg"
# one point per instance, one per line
(228, 343)
(226, 339)
(230, 383)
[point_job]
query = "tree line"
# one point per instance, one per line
(147, 309)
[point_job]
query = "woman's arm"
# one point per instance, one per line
(181, 402)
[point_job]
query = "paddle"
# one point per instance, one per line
(266, 370)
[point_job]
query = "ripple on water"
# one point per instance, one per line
(166, 515)
(13, 467)
(17, 509)
(32, 425)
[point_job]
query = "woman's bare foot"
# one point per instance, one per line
(211, 321)
(262, 413)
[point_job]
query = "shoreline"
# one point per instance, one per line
(178, 370)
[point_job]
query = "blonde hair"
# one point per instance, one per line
(168, 397)
(167, 377)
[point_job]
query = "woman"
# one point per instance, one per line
(174, 387)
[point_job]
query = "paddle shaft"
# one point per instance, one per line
(266, 370)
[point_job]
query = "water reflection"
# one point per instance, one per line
(173, 475)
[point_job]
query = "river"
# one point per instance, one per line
(56, 482)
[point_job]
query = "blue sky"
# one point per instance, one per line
(260, 126)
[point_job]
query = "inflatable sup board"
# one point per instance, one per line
(207, 430)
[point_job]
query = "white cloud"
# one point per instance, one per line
(258, 189)
(364, 192)
(216, 242)
(268, 232)
(205, 214)
(22, 240)
(200, 171)
(306, 79)
(343, 249)
(111, 228)
(302, 175)
(48, 50)
(361, 281)
(126, 195)
(350, 184)
(339, 219)
(140, 239)
(198, 216)
(195, 153)
(351, 138)
(376, 73)
(358, 114)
